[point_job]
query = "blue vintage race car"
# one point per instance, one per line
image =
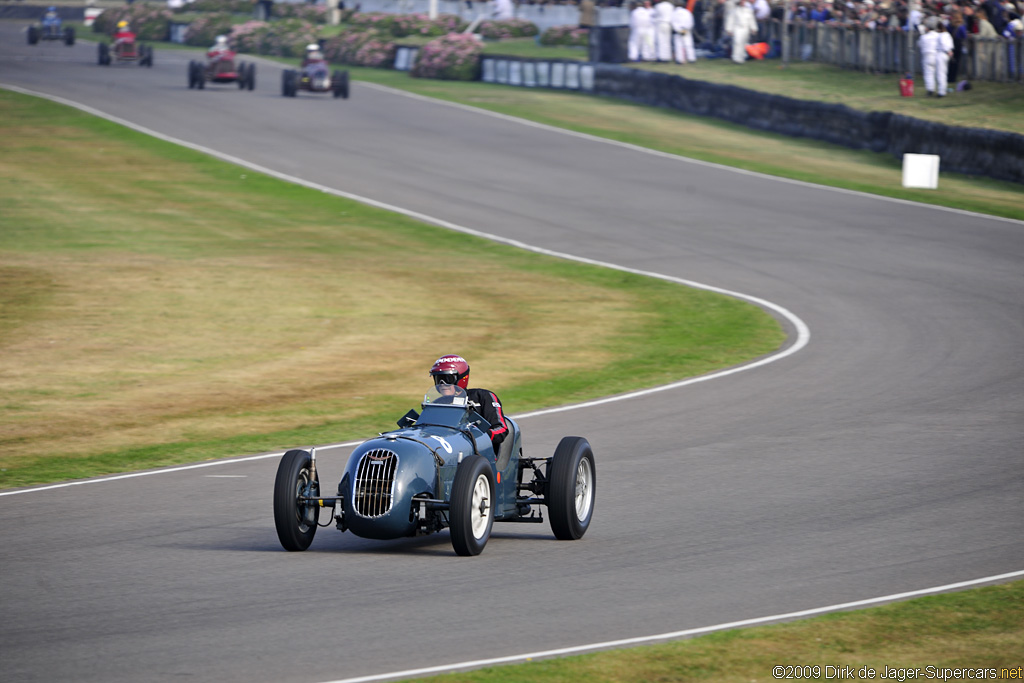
(51, 28)
(437, 471)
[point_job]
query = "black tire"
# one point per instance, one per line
(69, 36)
(472, 506)
(104, 54)
(289, 83)
(572, 485)
(33, 35)
(250, 80)
(149, 56)
(336, 83)
(296, 524)
(242, 75)
(191, 75)
(344, 85)
(200, 75)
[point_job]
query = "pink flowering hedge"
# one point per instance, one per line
(379, 21)
(507, 28)
(314, 14)
(402, 25)
(281, 38)
(566, 35)
(454, 57)
(361, 47)
(422, 25)
(205, 29)
(230, 6)
(148, 22)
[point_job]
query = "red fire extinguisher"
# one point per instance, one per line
(907, 85)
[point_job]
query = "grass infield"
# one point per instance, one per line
(158, 306)
(971, 635)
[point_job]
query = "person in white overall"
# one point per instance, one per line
(936, 46)
(682, 33)
(663, 30)
(641, 33)
(740, 24)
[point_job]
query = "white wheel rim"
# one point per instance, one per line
(480, 510)
(584, 489)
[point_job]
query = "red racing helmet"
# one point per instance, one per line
(451, 369)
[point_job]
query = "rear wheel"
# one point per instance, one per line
(33, 35)
(242, 75)
(69, 36)
(289, 83)
(344, 85)
(472, 506)
(104, 54)
(296, 523)
(250, 80)
(572, 483)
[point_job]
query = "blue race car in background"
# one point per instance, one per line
(439, 471)
(51, 28)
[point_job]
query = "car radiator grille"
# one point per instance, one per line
(375, 482)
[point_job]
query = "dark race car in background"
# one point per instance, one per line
(439, 471)
(51, 28)
(315, 76)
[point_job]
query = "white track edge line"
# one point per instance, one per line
(611, 644)
(803, 333)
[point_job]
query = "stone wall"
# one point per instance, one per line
(973, 151)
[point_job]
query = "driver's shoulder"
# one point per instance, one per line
(478, 392)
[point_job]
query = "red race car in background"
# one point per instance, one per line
(221, 67)
(125, 49)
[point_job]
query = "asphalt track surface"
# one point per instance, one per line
(884, 457)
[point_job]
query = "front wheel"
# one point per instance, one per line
(296, 522)
(69, 36)
(104, 54)
(33, 35)
(250, 77)
(472, 506)
(572, 483)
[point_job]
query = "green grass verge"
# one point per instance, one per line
(160, 306)
(930, 638)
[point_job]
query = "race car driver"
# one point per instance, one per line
(124, 34)
(452, 369)
(313, 54)
(220, 50)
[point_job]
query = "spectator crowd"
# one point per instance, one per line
(717, 22)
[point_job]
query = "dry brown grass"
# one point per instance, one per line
(140, 306)
(133, 347)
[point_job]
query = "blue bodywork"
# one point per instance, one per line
(400, 483)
